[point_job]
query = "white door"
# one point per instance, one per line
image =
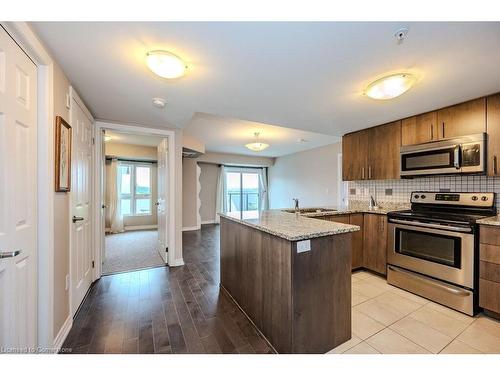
(162, 202)
(18, 147)
(81, 255)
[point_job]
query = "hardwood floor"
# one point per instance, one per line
(166, 310)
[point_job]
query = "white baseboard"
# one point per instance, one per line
(140, 227)
(208, 222)
(177, 263)
(63, 333)
(186, 229)
(135, 227)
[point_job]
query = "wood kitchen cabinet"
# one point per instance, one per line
(357, 237)
(493, 129)
(462, 119)
(383, 151)
(489, 268)
(375, 243)
(372, 154)
(355, 156)
(357, 241)
(419, 129)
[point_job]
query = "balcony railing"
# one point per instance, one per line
(250, 201)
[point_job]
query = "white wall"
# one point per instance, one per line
(311, 176)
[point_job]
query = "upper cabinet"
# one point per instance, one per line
(462, 119)
(372, 154)
(355, 156)
(493, 129)
(419, 129)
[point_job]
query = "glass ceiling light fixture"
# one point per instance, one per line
(257, 145)
(165, 64)
(390, 86)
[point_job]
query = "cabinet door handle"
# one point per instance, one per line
(432, 132)
(495, 164)
(442, 128)
(369, 172)
(77, 218)
(362, 173)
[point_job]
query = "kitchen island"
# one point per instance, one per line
(291, 275)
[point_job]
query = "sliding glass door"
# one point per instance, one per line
(242, 190)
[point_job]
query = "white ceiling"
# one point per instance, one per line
(133, 139)
(230, 135)
(299, 75)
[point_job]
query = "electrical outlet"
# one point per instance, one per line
(388, 192)
(67, 282)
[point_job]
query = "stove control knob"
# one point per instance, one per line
(417, 196)
(484, 198)
(422, 196)
(474, 198)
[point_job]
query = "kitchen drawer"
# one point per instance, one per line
(489, 253)
(489, 295)
(489, 271)
(489, 235)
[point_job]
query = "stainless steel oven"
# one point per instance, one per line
(442, 251)
(432, 248)
(449, 156)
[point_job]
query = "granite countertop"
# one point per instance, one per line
(289, 226)
(493, 220)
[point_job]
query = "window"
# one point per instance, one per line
(135, 189)
(242, 190)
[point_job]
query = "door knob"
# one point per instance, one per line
(157, 203)
(9, 254)
(77, 218)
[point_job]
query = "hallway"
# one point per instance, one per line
(162, 310)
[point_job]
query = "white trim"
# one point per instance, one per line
(177, 263)
(198, 199)
(187, 229)
(28, 41)
(208, 222)
(63, 333)
(136, 227)
(73, 96)
(174, 249)
(141, 227)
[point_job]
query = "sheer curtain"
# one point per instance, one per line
(114, 198)
(219, 199)
(264, 197)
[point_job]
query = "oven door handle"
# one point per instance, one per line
(456, 157)
(430, 225)
(431, 282)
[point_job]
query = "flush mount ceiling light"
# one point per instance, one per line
(159, 102)
(257, 145)
(390, 86)
(165, 64)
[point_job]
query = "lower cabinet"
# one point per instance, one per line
(368, 244)
(375, 243)
(357, 241)
(489, 268)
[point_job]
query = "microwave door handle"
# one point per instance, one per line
(456, 157)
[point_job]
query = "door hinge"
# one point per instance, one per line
(93, 264)
(93, 140)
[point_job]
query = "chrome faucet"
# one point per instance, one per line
(296, 207)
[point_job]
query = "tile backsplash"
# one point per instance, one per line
(398, 191)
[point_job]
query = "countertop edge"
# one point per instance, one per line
(345, 228)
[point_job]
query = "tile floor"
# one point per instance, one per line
(389, 320)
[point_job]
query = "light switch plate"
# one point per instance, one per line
(303, 246)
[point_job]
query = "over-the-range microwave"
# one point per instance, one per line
(449, 156)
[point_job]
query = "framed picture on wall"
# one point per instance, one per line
(63, 155)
